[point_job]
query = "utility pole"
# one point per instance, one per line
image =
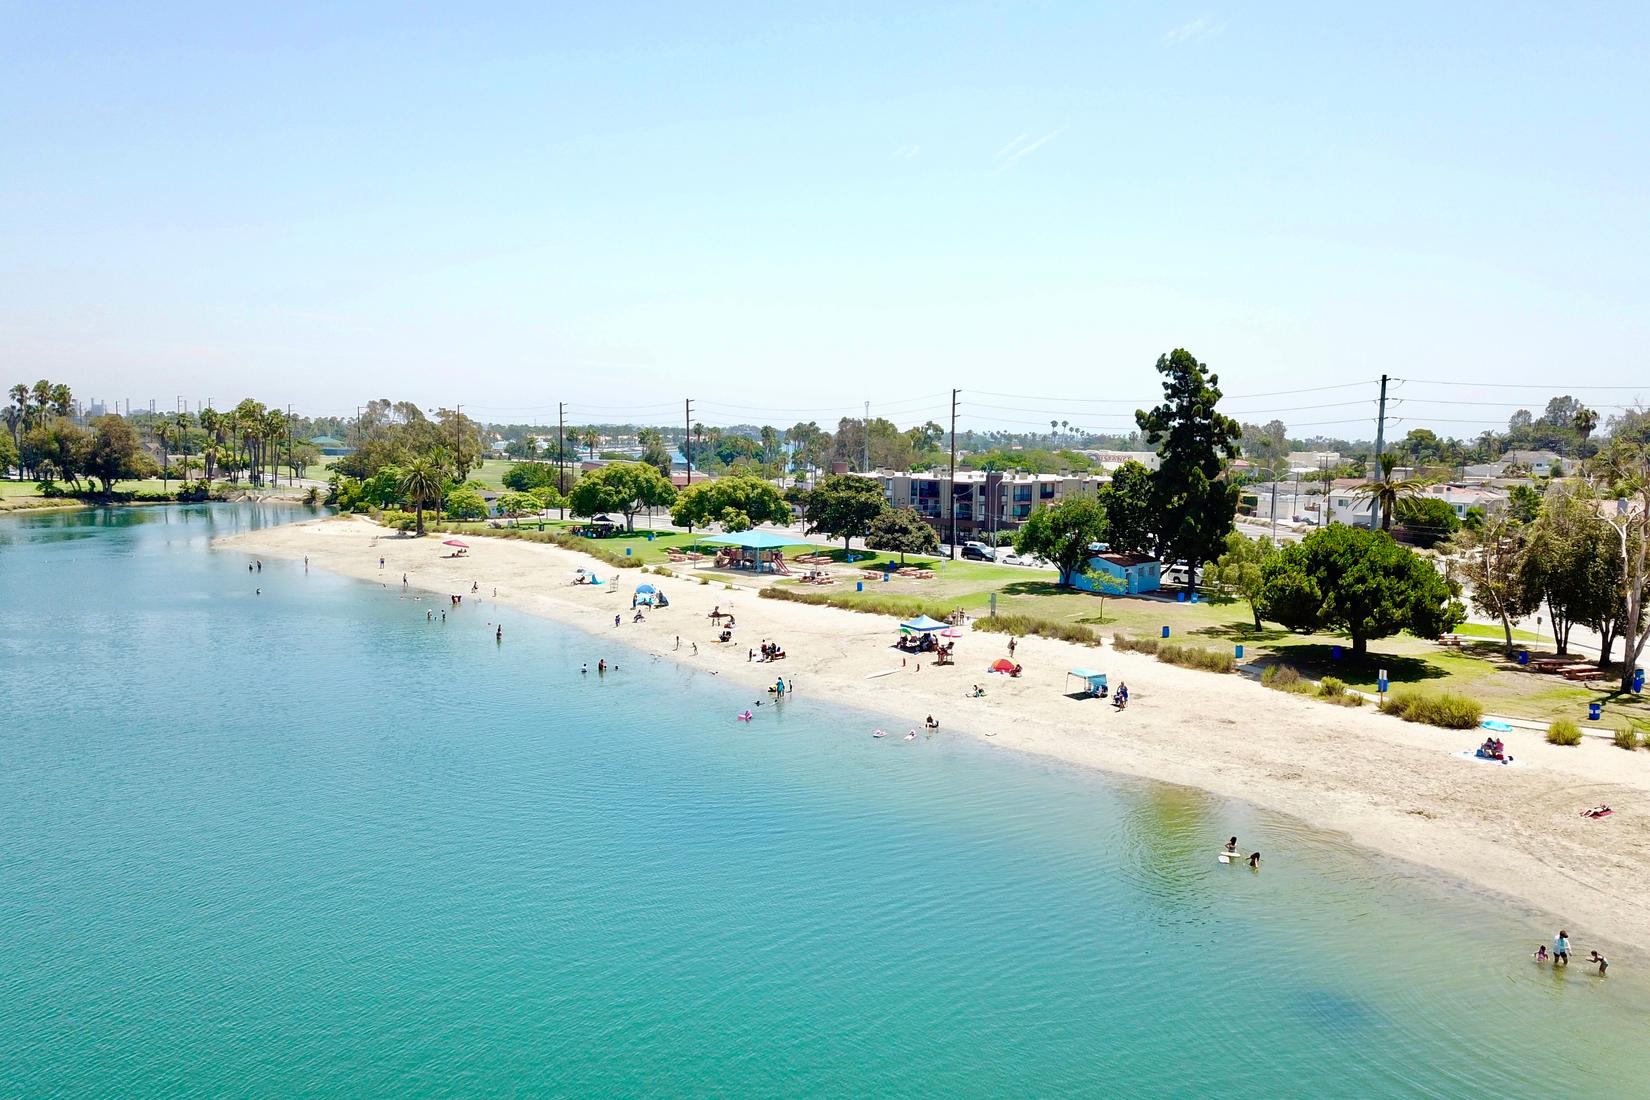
(953, 486)
(561, 461)
(1380, 445)
(687, 439)
(289, 481)
(865, 430)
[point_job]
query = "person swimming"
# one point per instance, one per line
(1231, 845)
(584, 667)
(911, 735)
(879, 733)
(1254, 860)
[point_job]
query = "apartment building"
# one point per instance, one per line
(983, 502)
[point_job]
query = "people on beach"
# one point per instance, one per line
(1120, 697)
(678, 641)
(1603, 963)
(932, 723)
(977, 693)
(1011, 648)
(696, 649)
(616, 620)
(380, 563)
(498, 635)
(260, 565)
(306, 563)
(1561, 948)
(637, 618)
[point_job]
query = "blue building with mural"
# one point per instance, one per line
(1131, 574)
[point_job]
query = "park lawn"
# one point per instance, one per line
(13, 489)
(1495, 633)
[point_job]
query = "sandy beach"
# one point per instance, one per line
(1397, 788)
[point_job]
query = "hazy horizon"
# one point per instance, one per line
(784, 215)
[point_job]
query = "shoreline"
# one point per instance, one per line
(1389, 786)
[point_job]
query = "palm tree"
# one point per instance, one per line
(1585, 421)
(183, 441)
(62, 400)
(421, 483)
(276, 428)
(162, 426)
(212, 425)
(591, 440)
(1387, 493)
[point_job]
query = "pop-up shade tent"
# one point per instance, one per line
(642, 589)
(922, 624)
(1093, 680)
(1002, 664)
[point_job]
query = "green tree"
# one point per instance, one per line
(738, 503)
(1427, 520)
(1239, 569)
(1062, 533)
(1491, 560)
(1129, 515)
(114, 452)
(654, 451)
(1524, 503)
(1358, 581)
(1193, 503)
(465, 503)
(526, 476)
(901, 531)
(421, 484)
(512, 505)
(625, 487)
(842, 506)
(548, 497)
(57, 447)
(1572, 565)
(9, 455)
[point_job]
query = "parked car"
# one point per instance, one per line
(973, 551)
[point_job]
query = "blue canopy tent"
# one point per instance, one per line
(641, 588)
(761, 548)
(1094, 682)
(922, 624)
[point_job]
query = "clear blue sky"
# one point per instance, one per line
(794, 208)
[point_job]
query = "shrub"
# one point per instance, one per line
(1334, 690)
(1563, 732)
(1023, 625)
(1281, 677)
(1210, 660)
(397, 520)
(662, 571)
(1445, 709)
(1134, 645)
(1626, 739)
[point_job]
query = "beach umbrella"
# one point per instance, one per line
(640, 588)
(456, 542)
(951, 632)
(1002, 664)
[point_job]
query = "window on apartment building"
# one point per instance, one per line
(1046, 491)
(1022, 494)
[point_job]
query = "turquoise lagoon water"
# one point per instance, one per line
(305, 843)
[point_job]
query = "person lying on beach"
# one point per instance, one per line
(1598, 811)
(1603, 963)
(977, 693)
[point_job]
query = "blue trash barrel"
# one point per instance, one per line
(1523, 656)
(1334, 653)
(1180, 597)
(1638, 680)
(1165, 632)
(885, 577)
(1380, 684)
(859, 586)
(627, 551)
(1240, 653)
(1194, 597)
(1593, 711)
(650, 536)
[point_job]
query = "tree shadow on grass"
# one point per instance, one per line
(1317, 661)
(1039, 588)
(1241, 632)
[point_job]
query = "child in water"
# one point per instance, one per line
(1541, 955)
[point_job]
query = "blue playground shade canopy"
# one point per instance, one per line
(751, 540)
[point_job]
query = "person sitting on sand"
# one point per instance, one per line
(1540, 955)
(637, 618)
(1015, 672)
(977, 693)
(1603, 963)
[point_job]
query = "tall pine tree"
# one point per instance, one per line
(1192, 502)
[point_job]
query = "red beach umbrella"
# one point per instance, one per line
(951, 632)
(1002, 664)
(456, 542)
